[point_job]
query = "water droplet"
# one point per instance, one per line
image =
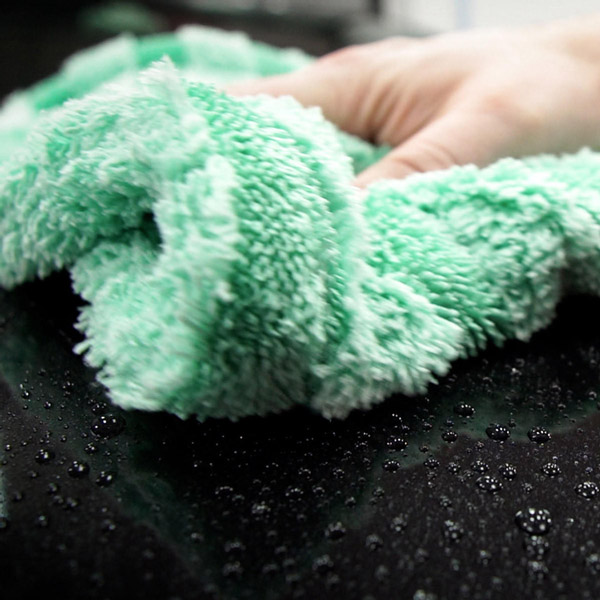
(489, 484)
(390, 465)
(587, 489)
(537, 570)
(99, 408)
(234, 547)
(223, 491)
(551, 469)
(260, 509)
(399, 523)
(108, 426)
(452, 531)
(527, 488)
(497, 432)
(233, 570)
(322, 564)
(78, 469)
(508, 471)
(480, 467)
(71, 503)
(91, 448)
(53, 488)
(44, 455)
(453, 468)
(396, 443)
(373, 542)
(382, 573)
(108, 525)
(535, 521)
(335, 531)
(421, 555)
(305, 472)
(593, 562)
(292, 579)
(536, 547)
(539, 435)
(423, 595)
(464, 410)
(450, 436)
(294, 493)
(378, 492)
(105, 478)
(338, 473)
(270, 569)
(431, 463)
(445, 502)
(42, 521)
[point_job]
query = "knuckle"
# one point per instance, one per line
(426, 156)
(514, 109)
(402, 161)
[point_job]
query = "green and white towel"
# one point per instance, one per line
(229, 266)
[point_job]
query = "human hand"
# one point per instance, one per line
(458, 98)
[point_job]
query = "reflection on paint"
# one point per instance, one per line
(3, 500)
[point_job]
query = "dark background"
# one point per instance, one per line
(36, 36)
(413, 499)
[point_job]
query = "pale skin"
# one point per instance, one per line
(458, 98)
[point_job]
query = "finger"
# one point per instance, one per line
(289, 84)
(341, 83)
(457, 138)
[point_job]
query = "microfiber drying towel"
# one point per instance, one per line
(229, 266)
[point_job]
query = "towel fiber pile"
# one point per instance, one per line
(228, 265)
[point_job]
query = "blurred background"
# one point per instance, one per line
(35, 37)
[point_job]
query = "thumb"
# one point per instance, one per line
(457, 138)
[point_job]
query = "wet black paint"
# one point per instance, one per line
(382, 505)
